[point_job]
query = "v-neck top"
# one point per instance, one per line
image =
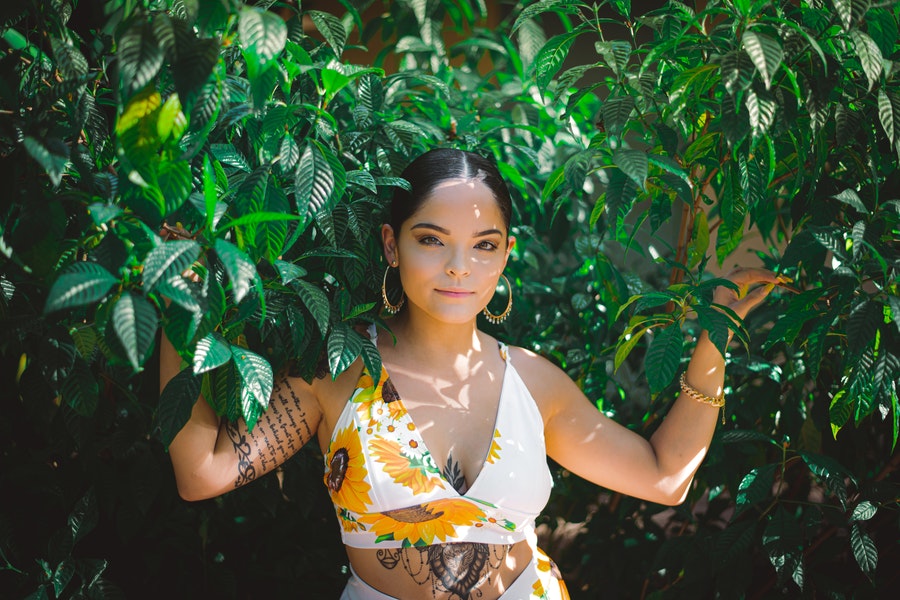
(389, 492)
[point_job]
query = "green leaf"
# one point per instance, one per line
(82, 283)
(69, 59)
(315, 181)
(139, 55)
(53, 158)
(783, 541)
(550, 58)
(289, 271)
(717, 324)
(869, 56)
(862, 325)
(331, 28)
(831, 471)
(344, 347)
(168, 260)
(616, 111)
(889, 113)
(256, 378)
(63, 575)
(850, 11)
(316, 303)
(863, 511)
(851, 198)
(263, 34)
(175, 405)
(212, 351)
(625, 346)
(135, 321)
(839, 411)
(737, 436)
(755, 487)
(241, 270)
(533, 10)
(633, 163)
(699, 243)
(80, 389)
(864, 550)
(371, 359)
(663, 357)
(765, 52)
(103, 213)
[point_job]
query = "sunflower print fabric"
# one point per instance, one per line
(389, 492)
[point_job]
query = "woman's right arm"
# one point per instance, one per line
(211, 456)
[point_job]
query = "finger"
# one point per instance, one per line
(743, 307)
(751, 275)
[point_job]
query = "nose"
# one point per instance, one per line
(458, 263)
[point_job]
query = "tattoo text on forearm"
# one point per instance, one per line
(280, 431)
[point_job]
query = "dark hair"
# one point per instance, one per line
(441, 164)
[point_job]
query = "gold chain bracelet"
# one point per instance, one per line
(701, 397)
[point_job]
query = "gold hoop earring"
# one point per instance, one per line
(392, 309)
(497, 319)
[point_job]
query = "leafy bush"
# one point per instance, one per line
(270, 155)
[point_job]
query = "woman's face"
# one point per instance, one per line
(451, 251)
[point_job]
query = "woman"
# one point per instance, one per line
(437, 468)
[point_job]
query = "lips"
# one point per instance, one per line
(454, 292)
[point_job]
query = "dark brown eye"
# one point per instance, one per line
(338, 468)
(389, 392)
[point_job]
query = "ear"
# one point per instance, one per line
(389, 244)
(510, 244)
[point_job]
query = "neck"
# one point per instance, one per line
(435, 345)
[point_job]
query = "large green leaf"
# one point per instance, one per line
(550, 58)
(331, 28)
(256, 382)
(263, 34)
(139, 55)
(616, 111)
(175, 405)
(864, 550)
(851, 11)
(241, 270)
(314, 182)
(212, 351)
(533, 10)
(80, 390)
(168, 260)
(755, 487)
(53, 157)
(316, 303)
(889, 113)
(344, 347)
(135, 321)
(765, 52)
(633, 163)
(869, 56)
(862, 324)
(82, 283)
(783, 539)
(663, 357)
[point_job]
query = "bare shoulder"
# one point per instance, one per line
(548, 384)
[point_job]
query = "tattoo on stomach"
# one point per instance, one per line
(458, 568)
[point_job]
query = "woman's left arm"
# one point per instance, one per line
(589, 444)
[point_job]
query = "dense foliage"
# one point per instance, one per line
(640, 147)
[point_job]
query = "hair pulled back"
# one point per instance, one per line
(434, 167)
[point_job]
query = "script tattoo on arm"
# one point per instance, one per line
(279, 433)
(458, 568)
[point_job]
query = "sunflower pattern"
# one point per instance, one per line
(376, 446)
(423, 524)
(346, 474)
(494, 451)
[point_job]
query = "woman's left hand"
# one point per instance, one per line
(753, 286)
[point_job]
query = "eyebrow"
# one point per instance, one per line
(447, 231)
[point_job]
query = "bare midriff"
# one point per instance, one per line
(442, 571)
